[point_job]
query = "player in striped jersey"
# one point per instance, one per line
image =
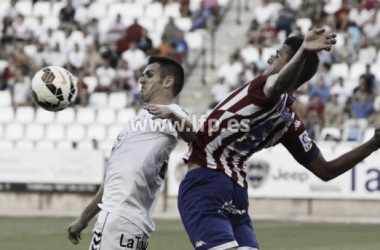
(213, 199)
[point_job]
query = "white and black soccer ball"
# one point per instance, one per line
(54, 88)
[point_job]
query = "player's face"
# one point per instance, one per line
(277, 62)
(151, 82)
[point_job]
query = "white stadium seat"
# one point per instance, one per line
(44, 145)
(30, 50)
(24, 145)
(250, 54)
(376, 103)
(55, 132)
(357, 69)
(154, 10)
(7, 114)
(160, 24)
(4, 7)
(194, 39)
(98, 99)
(41, 8)
(24, 114)
(106, 146)
(85, 145)
(14, 131)
(91, 82)
(65, 116)
(44, 116)
(332, 6)
(64, 145)
(268, 52)
(5, 98)
(330, 134)
(113, 132)
(368, 134)
(183, 23)
(195, 4)
(81, 15)
(172, 10)
(34, 132)
(106, 116)
(6, 144)
(133, 10)
(304, 24)
(97, 132)
(24, 7)
(85, 115)
(147, 23)
(340, 70)
(51, 22)
(114, 10)
(97, 10)
(57, 7)
(75, 132)
(367, 55)
(3, 64)
(1, 131)
(117, 100)
(123, 115)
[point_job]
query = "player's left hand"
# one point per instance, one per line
(158, 111)
(319, 39)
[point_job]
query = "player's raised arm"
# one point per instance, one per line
(76, 227)
(328, 170)
(315, 40)
(184, 127)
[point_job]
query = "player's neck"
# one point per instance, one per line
(161, 100)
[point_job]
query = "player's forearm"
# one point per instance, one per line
(92, 209)
(289, 74)
(184, 128)
(349, 160)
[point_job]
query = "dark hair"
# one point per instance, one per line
(170, 67)
(294, 43)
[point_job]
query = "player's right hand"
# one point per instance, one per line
(319, 39)
(74, 230)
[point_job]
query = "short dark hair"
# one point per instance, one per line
(170, 67)
(294, 43)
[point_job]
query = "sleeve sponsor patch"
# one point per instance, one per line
(306, 141)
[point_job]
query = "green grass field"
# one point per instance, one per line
(50, 234)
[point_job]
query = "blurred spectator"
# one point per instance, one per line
(83, 93)
(9, 75)
(123, 44)
(134, 57)
(76, 58)
(361, 89)
(219, 91)
(202, 18)
(359, 15)
(341, 16)
(165, 46)
(57, 57)
(92, 60)
(230, 71)
(324, 73)
(340, 89)
(213, 6)
(318, 16)
(265, 11)
(92, 28)
(316, 107)
(110, 54)
(362, 108)
(170, 30)
(268, 35)
(134, 31)
(22, 31)
(286, 19)
(106, 77)
(346, 54)
(7, 32)
(145, 43)
(253, 33)
(116, 30)
(12, 11)
(371, 30)
(125, 77)
(370, 81)
(319, 89)
(333, 116)
(39, 58)
(355, 35)
(67, 13)
(180, 46)
(184, 8)
(21, 90)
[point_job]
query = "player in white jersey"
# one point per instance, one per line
(138, 164)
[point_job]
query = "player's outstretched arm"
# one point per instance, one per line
(184, 128)
(76, 227)
(315, 40)
(328, 170)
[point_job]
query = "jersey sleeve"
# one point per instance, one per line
(170, 128)
(256, 91)
(298, 143)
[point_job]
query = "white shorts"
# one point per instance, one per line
(113, 232)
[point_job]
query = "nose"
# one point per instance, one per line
(270, 60)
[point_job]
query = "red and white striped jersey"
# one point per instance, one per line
(244, 123)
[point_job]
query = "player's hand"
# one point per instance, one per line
(74, 230)
(158, 111)
(319, 39)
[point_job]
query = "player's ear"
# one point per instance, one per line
(168, 82)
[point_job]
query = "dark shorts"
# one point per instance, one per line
(214, 211)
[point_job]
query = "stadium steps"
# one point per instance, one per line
(196, 96)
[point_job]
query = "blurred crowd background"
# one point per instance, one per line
(105, 43)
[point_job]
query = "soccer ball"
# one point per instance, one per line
(54, 88)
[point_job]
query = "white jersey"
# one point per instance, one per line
(136, 168)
